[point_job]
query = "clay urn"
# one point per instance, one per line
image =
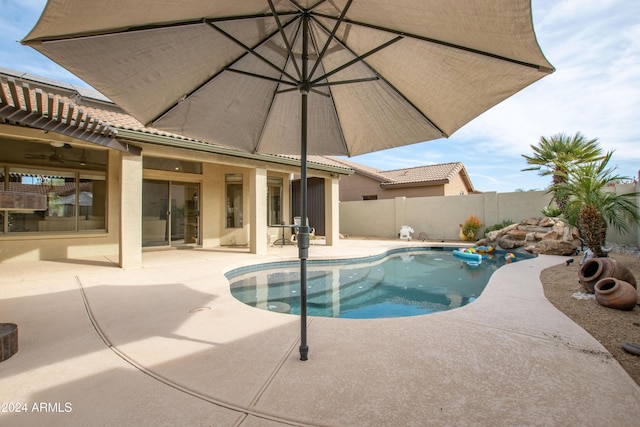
(615, 293)
(595, 269)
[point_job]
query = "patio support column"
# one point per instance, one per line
(332, 211)
(258, 229)
(130, 211)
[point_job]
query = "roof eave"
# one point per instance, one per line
(414, 184)
(169, 141)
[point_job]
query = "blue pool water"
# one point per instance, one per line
(405, 282)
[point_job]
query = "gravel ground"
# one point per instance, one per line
(609, 326)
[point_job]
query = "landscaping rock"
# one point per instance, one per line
(549, 236)
(506, 243)
(530, 221)
(517, 234)
(546, 222)
(555, 247)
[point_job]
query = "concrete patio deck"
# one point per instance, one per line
(167, 344)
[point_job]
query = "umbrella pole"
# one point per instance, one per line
(303, 235)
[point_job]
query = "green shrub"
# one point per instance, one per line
(503, 224)
(552, 211)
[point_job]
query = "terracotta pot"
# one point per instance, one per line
(615, 293)
(461, 235)
(595, 269)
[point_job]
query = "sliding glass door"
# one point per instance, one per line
(170, 213)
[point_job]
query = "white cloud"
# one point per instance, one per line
(595, 47)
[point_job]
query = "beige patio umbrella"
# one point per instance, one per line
(340, 77)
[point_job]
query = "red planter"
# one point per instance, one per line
(595, 269)
(615, 293)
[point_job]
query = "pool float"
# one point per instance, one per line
(468, 254)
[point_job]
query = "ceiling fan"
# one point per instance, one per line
(55, 156)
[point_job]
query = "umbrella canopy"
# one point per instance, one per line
(419, 70)
(342, 77)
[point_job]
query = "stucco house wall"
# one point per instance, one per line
(26, 148)
(357, 185)
(456, 186)
(366, 183)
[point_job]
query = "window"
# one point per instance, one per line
(92, 202)
(233, 187)
(274, 200)
(172, 165)
(75, 201)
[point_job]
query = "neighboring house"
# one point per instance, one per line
(447, 179)
(79, 177)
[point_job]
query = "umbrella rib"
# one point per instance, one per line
(264, 124)
(331, 36)
(287, 90)
(159, 25)
(339, 124)
(399, 93)
(357, 59)
(260, 76)
(345, 147)
(301, 9)
(278, 92)
(284, 37)
(440, 42)
(250, 50)
(346, 82)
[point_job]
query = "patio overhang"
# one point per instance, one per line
(22, 105)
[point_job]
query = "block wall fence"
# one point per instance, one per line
(439, 216)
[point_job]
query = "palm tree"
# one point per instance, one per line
(591, 207)
(554, 156)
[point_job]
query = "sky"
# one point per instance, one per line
(594, 46)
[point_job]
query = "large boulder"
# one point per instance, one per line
(506, 243)
(555, 247)
(517, 234)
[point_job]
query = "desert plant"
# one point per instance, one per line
(552, 211)
(591, 208)
(471, 226)
(554, 156)
(500, 226)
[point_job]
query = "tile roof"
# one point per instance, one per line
(363, 169)
(420, 175)
(425, 174)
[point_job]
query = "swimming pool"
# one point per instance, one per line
(401, 282)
